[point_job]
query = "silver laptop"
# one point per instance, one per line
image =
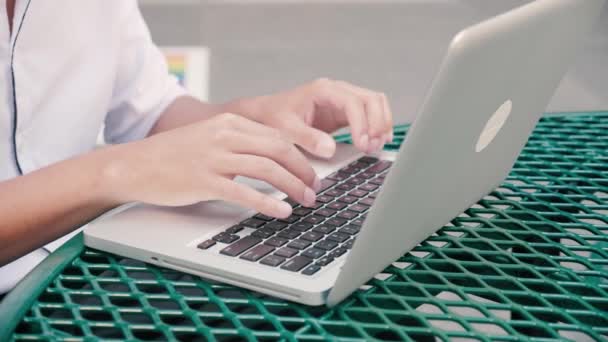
(490, 91)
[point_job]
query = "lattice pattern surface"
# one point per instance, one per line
(529, 261)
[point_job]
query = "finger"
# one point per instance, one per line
(245, 196)
(388, 112)
(351, 106)
(309, 138)
(273, 173)
(279, 150)
(376, 116)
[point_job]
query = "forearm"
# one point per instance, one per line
(48, 203)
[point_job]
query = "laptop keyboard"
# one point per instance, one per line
(312, 237)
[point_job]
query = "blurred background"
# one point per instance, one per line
(253, 47)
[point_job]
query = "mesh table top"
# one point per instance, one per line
(529, 261)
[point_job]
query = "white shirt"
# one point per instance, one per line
(77, 64)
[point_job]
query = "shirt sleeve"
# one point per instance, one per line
(143, 88)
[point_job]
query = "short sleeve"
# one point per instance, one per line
(143, 88)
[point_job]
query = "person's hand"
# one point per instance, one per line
(198, 162)
(307, 113)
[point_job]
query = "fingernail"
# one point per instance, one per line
(309, 197)
(365, 142)
(326, 147)
(283, 209)
(316, 184)
(374, 145)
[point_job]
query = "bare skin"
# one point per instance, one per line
(255, 137)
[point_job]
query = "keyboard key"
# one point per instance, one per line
(377, 181)
(299, 244)
(359, 208)
(276, 241)
(337, 252)
(275, 225)
(349, 244)
(263, 233)
(349, 170)
(235, 229)
(368, 160)
(358, 193)
(317, 205)
(257, 252)
(297, 263)
(302, 211)
(206, 244)
(367, 201)
(356, 181)
(338, 237)
(273, 260)
(312, 236)
(335, 221)
(291, 219)
(314, 253)
(348, 215)
(286, 252)
(224, 237)
(327, 245)
(312, 269)
(289, 234)
(293, 203)
(324, 261)
(241, 246)
(324, 198)
(345, 187)
(263, 217)
(314, 219)
(334, 192)
(348, 199)
(253, 223)
(338, 176)
(324, 229)
(358, 165)
(336, 205)
(368, 187)
(350, 229)
(301, 226)
(357, 222)
(326, 184)
(380, 166)
(325, 212)
(366, 175)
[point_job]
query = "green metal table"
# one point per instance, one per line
(528, 262)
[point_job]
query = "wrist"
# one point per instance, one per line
(115, 175)
(250, 107)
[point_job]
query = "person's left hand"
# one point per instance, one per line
(306, 114)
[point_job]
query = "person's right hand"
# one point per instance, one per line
(198, 162)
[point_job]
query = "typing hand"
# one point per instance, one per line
(308, 113)
(198, 162)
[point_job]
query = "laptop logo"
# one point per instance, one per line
(493, 125)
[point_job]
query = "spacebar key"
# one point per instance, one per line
(297, 263)
(241, 246)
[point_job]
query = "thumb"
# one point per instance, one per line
(309, 138)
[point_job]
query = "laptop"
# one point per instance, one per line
(491, 89)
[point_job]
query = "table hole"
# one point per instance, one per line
(429, 309)
(593, 221)
(68, 328)
(532, 330)
(148, 334)
(575, 266)
(574, 335)
(382, 276)
(107, 332)
(364, 316)
(580, 231)
(85, 299)
(56, 313)
(401, 265)
(136, 318)
(422, 337)
(466, 311)
(96, 315)
(124, 301)
(189, 336)
(258, 324)
(384, 334)
(216, 322)
(406, 320)
(489, 328)
(418, 254)
(504, 315)
(341, 330)
(446, 325)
